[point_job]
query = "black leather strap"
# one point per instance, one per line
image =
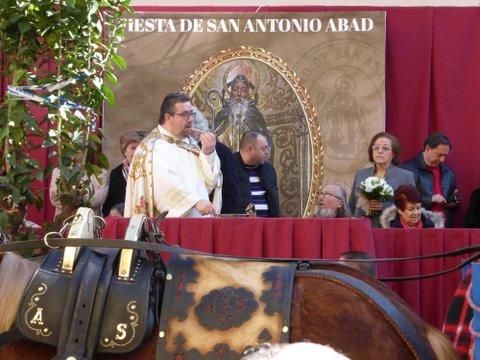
(86, 300)
(173, 249)
(429, 275)
(100, 299)
(70, 303)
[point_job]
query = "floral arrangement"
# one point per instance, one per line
(373, 188)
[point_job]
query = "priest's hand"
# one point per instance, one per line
(208, 142)
(205, 207)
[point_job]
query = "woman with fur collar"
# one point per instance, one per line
(408, 212)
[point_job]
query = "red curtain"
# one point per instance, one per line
(429, 297)
(432, 82)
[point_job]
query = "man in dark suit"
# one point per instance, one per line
(434, 179)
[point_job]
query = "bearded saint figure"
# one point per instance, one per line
(239, 114)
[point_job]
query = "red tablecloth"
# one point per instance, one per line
(328, 238)
(279, 237)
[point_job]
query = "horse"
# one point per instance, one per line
(332, 304)
(15, 274)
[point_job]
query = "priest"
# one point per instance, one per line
(170, 171)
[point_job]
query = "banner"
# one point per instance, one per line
(313, 83)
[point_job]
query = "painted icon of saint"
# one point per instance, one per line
(239, 113)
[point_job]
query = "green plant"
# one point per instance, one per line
(50, 42)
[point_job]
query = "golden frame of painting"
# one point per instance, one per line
(248, 88)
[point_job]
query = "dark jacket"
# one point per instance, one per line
(390, 218)
(424, 182)
(230, 186)
(472, 219)
(116, 190)
(268, 178)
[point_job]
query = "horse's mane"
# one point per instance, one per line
(440, 344)
(15, 274)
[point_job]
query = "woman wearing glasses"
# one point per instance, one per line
(383, 152)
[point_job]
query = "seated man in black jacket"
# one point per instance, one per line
(258, 179)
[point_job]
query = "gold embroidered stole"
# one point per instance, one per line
(194, 148)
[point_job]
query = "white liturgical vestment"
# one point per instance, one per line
(168, 173)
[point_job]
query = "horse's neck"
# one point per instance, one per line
(15, 274)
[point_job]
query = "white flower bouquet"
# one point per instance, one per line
(373, 188)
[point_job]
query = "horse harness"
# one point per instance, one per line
(87, 307)
(92, 300)
(90, 309)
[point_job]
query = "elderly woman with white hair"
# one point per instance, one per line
(118, 176)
